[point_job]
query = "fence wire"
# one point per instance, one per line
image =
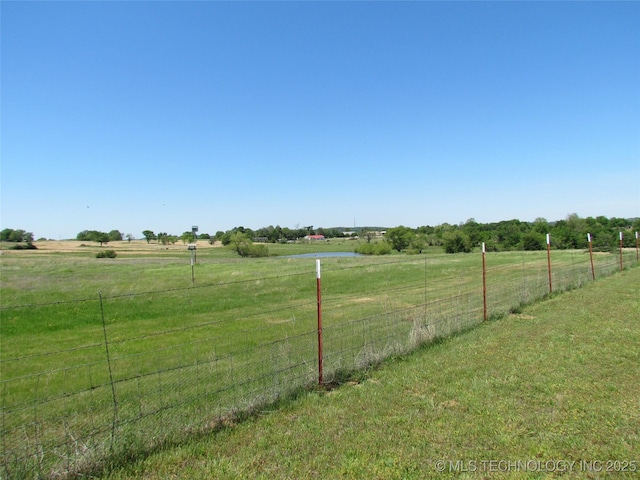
(156, 367)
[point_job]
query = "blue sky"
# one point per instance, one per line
(163, 115)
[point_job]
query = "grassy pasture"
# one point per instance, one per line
(553, 388)
(182, 357)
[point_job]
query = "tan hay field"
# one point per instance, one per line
(134, 246)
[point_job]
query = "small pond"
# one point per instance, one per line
(324, 255)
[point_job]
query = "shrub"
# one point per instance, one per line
(382, 248)
(106, 254)
(456, 242)
(533, 241)
(248, 249)
(242, 244)
(24, 246)
(365, 249)
(399, 237)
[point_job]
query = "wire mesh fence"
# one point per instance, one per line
(113, 375)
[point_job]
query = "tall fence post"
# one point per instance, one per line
(193, 261)
(593, 271)
(319, 300)
(113, 387)
(484, 281)
(549, 262)
(621, 264)
(637, 248)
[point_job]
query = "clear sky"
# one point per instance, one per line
(164, 115)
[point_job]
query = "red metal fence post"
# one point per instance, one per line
(319, 299)
(484, 281)
(549, 261)
(593, 272)
(193, 275)
(621, 265)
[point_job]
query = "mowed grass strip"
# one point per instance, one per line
(519, 397)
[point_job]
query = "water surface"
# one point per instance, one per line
(324, 255)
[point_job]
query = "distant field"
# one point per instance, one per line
(183, 354)
(142, 247)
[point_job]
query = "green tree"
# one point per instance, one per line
(368, 235)
(100, 237)
(83, 236)
(225, 238)
(11, 235)
(246, 231)
(15, 236)
(277, 235)
(578, 228)
(149, 235)
(399, 237)
(604, 241)
(93, 236)
(562, 236)
(533, 241)
(243, 246)
(21, 236)
(237, 241)
(418, 243)
(163, 238)
(474, 230)
(509, 234)
(115, 236)
(187, 237)
(456, 242)
(541, 225)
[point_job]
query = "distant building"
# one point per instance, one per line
(314, 237)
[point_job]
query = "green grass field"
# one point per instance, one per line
(109, 358)
(549, 392)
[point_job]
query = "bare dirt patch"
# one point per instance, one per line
(363, 299)
(522, 316)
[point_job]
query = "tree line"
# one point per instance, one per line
(280, 234)
(21, 239)
(570, 233)
(100, 237)
(11, 235)
(268, 234)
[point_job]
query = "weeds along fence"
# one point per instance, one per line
(86, 382)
